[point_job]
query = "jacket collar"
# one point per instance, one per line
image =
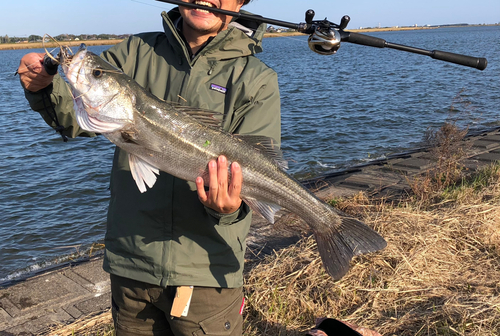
(230, 43)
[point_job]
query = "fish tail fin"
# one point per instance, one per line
(339, 243)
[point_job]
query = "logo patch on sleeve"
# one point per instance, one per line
(218, 88)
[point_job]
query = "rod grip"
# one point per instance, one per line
(364, 40)
(473, 62)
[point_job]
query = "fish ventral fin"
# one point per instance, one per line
(266, 145)
(142, 172)
(338, 243)
(208, 118)
(266, 210)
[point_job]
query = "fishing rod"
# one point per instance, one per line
(325, 36)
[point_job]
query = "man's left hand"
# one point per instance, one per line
(221, 196)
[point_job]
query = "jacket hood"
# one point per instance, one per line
(241, 38)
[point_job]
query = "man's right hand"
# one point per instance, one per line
(32, 73)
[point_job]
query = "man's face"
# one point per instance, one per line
(203, 22)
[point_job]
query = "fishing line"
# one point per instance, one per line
(52, 113)
(144, 3)
(294, 39)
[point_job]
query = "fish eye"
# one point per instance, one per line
(97, 73)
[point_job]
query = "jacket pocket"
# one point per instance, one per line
(228, 322)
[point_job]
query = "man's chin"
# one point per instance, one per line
(203, 27)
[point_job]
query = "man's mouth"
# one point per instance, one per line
(204, 3)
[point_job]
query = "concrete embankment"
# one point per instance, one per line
(76, 293)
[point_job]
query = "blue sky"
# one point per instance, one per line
(54, 17)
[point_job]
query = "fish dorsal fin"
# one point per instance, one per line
(142, 172)
(266, 210)
(266, 145)
(206, 117)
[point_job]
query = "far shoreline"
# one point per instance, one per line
(51, 45)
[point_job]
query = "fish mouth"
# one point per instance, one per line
(66, 56)
(72, 65)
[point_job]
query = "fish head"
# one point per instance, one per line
(102, 98)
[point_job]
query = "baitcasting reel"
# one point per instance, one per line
(324, 42)
(325, 36)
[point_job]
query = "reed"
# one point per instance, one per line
(438, 275)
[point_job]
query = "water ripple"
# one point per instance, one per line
(360, 104)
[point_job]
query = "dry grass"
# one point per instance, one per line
(50, 45)
(439, 274)
(92, 325)
(37, 45)
(448, 148)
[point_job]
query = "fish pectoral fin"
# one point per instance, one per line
(266, 210)
(142, 172)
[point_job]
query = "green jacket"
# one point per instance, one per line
(165, 236)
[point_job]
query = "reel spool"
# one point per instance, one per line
(324, 36)
(324, 41)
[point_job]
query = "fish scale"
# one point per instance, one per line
(158, 135)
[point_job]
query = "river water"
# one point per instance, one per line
(360, 104)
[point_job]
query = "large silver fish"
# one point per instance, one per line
(181, 141)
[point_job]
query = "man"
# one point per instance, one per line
(177, 235)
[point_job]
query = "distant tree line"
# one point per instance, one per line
(271, 29)
(62, 37)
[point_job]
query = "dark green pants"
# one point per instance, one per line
(143, 309)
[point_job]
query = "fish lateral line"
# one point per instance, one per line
(185, 145)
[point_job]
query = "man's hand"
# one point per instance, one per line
(32, 73)
(220, 196)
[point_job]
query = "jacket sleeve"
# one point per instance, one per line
(57, 97)
(261, 115)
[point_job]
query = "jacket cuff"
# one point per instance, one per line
(231, 218)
